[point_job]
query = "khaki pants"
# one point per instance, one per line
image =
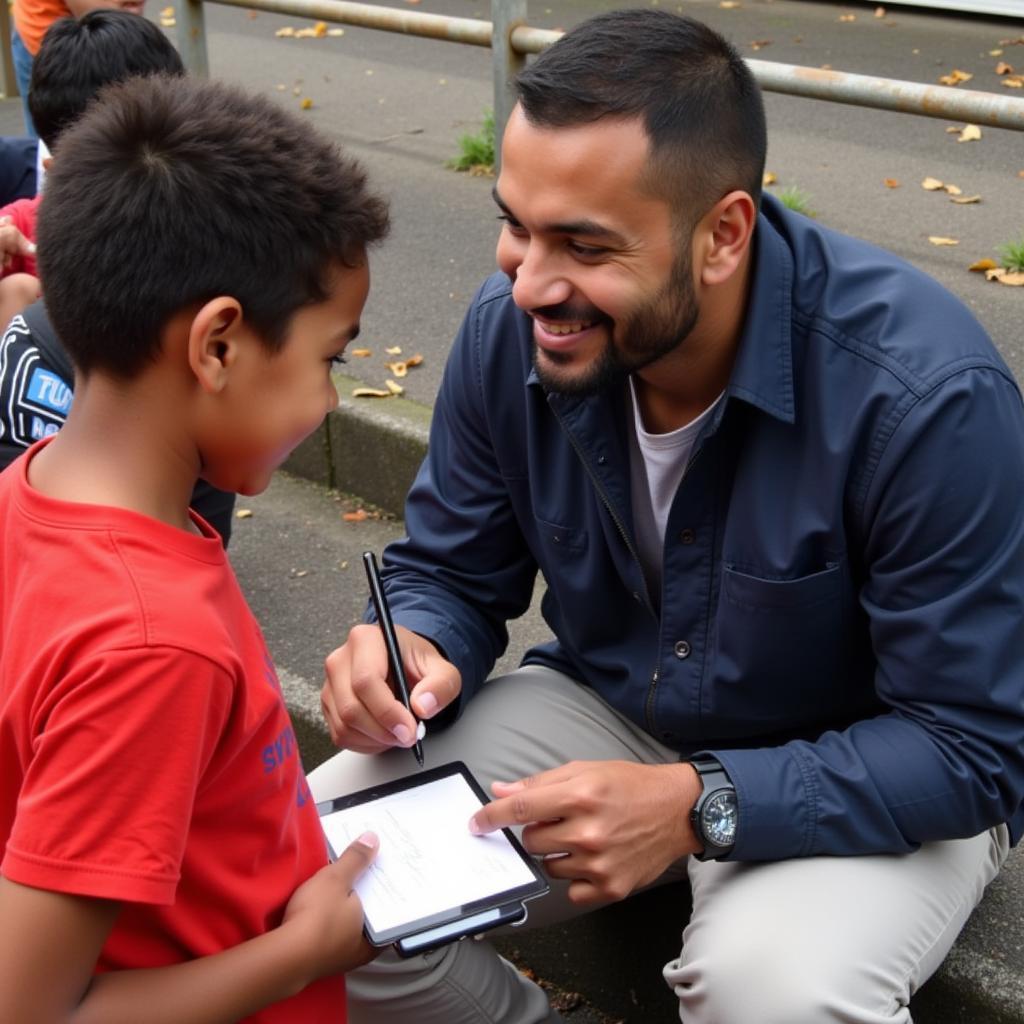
(809, 941)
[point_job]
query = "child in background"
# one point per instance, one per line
(204, 256)
(76, 60)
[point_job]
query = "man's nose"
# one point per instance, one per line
(539, 280)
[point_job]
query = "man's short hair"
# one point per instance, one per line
(699, 102)
(80, 56)
(171, 191)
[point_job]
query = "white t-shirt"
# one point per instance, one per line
(657, 464)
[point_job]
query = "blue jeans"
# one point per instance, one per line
(23, 73)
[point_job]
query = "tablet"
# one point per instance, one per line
(432, 881)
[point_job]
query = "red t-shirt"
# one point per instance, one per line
(146, 754)
(23, 213)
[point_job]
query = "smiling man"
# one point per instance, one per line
(771, 476)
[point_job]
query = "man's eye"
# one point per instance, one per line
(586, 251)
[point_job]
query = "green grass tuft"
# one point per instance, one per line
(1012, 255)
(795, 199)
(476, 151)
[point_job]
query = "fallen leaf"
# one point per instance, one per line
(246, 513)
(370, 393)
(281, 87)
(296, 91)
(320, 29)
(306, 33)
(414, 360)
(252, 14)
(940, 240)
(167, 12)
(299, 573)
(729, 5)
(955, 77)
(847, 17)
(285, 31)
(168, 22)
(983, 264)
(760, 44)
(995, 53)
(770, 177)
(335, 31)
(1002, 68)
(1020, 174)
(965, 200)
(1019, 41)
(971, 133)
(395, 350)
(1004, 276)
(306, 104)
(361, 353)
(355, 517)
(891, 183)
(953, 190)
(1013, 82)
(399, 369)
(954, 129)
(931, 184)
(879, 12)
(394, 388)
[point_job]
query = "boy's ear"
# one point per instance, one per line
(214, 336)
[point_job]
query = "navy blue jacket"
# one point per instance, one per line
(843, 601)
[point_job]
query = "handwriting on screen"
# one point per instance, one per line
(428, 861)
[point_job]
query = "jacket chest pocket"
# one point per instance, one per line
(779, 647)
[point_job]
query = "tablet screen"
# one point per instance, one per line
(430, 869)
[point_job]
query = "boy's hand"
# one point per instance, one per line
(327, 906)
(13, 243)
(362, 711)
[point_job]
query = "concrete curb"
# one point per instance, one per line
(372, 448)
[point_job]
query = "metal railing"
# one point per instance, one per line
(511, 40)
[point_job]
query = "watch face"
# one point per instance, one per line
(718, 818)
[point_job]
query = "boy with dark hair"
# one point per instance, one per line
(205, 260)
(77, 58)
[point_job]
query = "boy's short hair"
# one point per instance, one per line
(172, 191)
(80, 56)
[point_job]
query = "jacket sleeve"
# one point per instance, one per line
(464, 569)
(941, 518)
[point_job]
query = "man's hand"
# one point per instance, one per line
(609, 826)
(359, 705)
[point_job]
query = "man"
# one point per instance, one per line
(772, 477)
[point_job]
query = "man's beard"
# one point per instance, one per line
(657, 328)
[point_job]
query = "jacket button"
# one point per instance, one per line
(682, 649)
(687, 536)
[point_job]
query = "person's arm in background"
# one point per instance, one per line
(50, 943)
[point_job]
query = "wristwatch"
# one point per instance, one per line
(714, 816)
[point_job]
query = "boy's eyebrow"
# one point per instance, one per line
(590, 228)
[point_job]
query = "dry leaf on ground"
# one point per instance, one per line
(965, 200)
(1013, 82)
(1002, 68)
(285, 31)
(395, 389)
(355, 517)
(955, 77)
(370, 393)
(769, 178)
(167, 12)
(306, 104)
(394, 350)
(168, 22)
(414, 360)
(987, 263)
(879, 12)
(971, 133)
(891, 182)
(729, 5)
(942, 240)
(931, 184)
(953, 190)
(335, 31)
(362, 353)
(1013, 278)
(847, 17)
(243, 513)
(398, 368)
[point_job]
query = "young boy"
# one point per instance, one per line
(204, 259)
(77, 58)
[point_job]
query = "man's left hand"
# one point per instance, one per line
(608, 826)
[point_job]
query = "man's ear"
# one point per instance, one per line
(723, 237)
(214, 338)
